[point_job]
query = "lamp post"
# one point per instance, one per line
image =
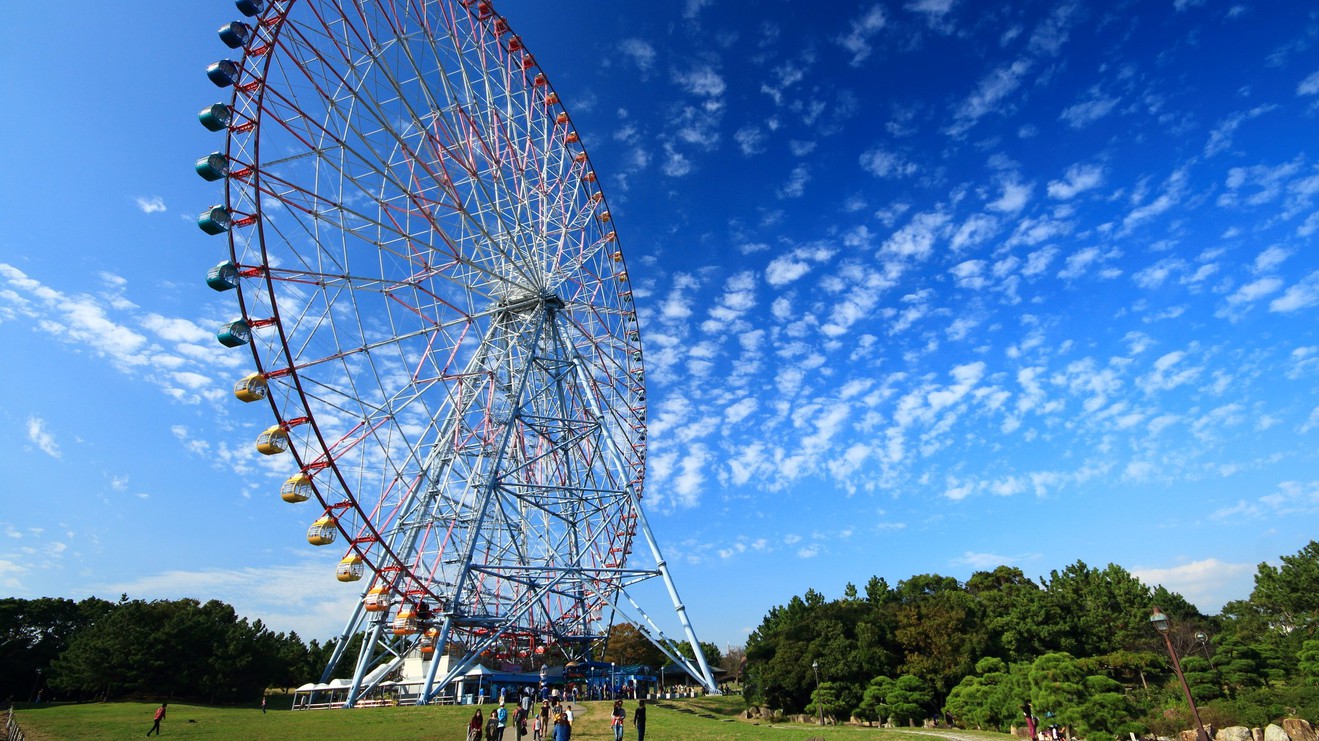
(1162, 624)
(819, 706)
(35, 685)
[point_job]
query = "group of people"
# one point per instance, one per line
(552, 723)
(618, 717)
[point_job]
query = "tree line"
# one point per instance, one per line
(95, 649)
(1076, 648)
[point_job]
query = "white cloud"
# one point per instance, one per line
(285, 598)
(1171, 196)
(1300, 296)
(1087, 112)
(1271, 258)
(701, 80)
(1207, 583)
(935, 8)
(1015, 197)
(863, 30)
(1220, 138)
(796, 185)
(787, 268)
(1255, 291)
(41, 437)
(885, 164)
(993, 89)
(1077, 179)
(1078, 262)
(975, 230)
(79, 320)
(11, 573)
(693, 8)
(640, 52)
(916, 239)
(676, 164)
(750, 140)
(152, 205)
(1309, 86)
(983, 561)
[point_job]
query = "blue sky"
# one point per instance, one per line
(923, 287)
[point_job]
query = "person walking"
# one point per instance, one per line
(263, 704)
(520, 722)
(562, 731)
(639, 720)
(474, 726)
(501, 716)
(160, 715)
(616, 719)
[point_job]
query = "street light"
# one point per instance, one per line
(815, 667)
(1162, 624)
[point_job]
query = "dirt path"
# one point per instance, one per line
(949, 734)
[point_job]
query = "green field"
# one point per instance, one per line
(685, 720)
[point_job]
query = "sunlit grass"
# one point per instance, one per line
(674, 720)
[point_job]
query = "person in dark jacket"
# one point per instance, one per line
(639, 720)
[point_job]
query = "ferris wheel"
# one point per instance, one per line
(442, 322)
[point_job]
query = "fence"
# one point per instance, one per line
(12, 731)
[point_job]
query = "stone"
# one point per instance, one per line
(1275, 733)
(1257, 734)
(1234, 733)
(1299, 729)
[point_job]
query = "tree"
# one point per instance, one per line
(734, 662)
(941, 633)
(1102, 611)
(628, 645)
(1309, 662)
(180, 648)
(1020, 619)
(34, 632)
(1057, 687)
(1107, 711)
(991, 699)
(874, 701)
(1238, 664)
(968, 703)
(713, 657)
(908, 699)
(834, 699)
(1288, 595)
(1201, 678)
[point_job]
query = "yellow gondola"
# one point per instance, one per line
(273, 441)
(376, 600)
(322, 531)
(251, 387)
(405, 623)
(350, 568)
(296, 489)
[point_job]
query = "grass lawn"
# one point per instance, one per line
(675, 720)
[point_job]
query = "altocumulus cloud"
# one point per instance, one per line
(41, 437)
(152, 205)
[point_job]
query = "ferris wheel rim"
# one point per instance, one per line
(323, 444)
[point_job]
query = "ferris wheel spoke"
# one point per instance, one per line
(418, 121)
(452, 347)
